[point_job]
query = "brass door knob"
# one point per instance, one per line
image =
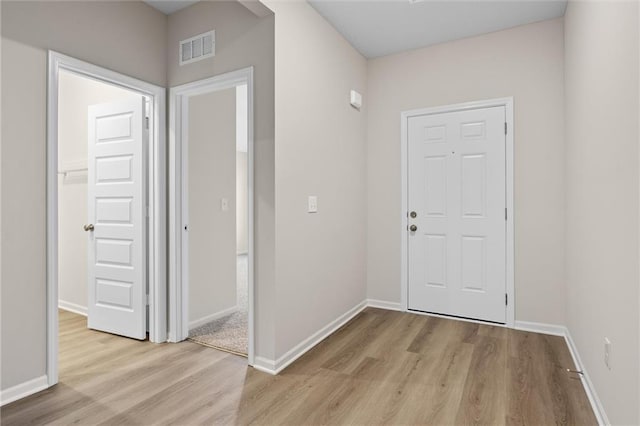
(413, 228)
(88, 227)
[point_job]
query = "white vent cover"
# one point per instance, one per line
(199, 47)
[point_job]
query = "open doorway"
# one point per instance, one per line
(105, 209)
(102, 235)
(218, 219)
(211, 203)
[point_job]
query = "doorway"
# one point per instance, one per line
(105, 217)
(458, 211)
(211, 272)
(102, 142)
(216, 200)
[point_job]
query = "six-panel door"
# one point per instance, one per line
(456, 187)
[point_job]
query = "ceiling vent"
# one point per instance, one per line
(199, 47)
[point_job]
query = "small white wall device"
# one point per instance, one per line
(356, 99)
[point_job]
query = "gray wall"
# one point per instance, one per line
(242, 40)
(128, 37)
(525, 62)
(320, 150)
(211, 177)
(602, 169)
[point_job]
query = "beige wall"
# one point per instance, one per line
(524, 62)
(242, 213)
(602, 118)
(320, 150)
(76, 95)
(212, 230)
(128, 37)
(242, 40)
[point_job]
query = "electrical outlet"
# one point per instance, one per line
(312, 204)
(607, 353)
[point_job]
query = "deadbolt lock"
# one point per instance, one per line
(413, 228)
(413, 214)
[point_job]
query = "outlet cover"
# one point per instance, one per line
(313, 204)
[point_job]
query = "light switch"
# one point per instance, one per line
(313, 204)
(224, 204)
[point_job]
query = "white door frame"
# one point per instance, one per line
(178, 206)
(156, 235)
(404, 169)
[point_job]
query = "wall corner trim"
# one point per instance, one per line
(72, 307)
(562, 331)
(265, 365)
(590, 390)
(538, 327)
(274, 367)
(383, 304)
(23, 390)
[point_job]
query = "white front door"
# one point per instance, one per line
(456, 191)
(117, 218)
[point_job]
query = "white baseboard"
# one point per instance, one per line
(275, 367)
(589, 389)
(23, 390)
(383, 304)
(212, 317)
(562, 331)
(538, 327)
(265, 365)
(72, 307)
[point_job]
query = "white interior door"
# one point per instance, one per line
(457, 187)
(117, 218)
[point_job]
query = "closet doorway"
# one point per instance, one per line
(105, 207)
(213, 226)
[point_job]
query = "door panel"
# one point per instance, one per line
(117, 210)
(456, 186)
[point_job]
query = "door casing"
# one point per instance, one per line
(178, 203)
(404, 169)
(156, 234)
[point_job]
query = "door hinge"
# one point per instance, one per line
(146, 120)
(147, 300)
(505, 127)
(506, 299)
(505, 213)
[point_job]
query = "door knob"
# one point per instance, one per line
(413, 214)
(88, 227)
(413, 228)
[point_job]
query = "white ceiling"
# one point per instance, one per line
(378, 28)
(169, 6)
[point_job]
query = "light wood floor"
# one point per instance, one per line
(383, 367)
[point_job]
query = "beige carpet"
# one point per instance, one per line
(229, 333)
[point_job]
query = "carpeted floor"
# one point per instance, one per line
(229, 333)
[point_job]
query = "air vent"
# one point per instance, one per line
(199, 47)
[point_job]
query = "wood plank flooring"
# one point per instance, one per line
(383, 367)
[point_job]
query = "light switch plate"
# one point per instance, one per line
(313, 204)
